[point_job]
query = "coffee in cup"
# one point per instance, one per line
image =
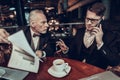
(59, 65)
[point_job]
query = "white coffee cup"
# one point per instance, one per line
(59, 65)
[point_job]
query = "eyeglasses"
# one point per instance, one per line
(92, 20)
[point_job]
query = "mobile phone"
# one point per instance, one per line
(99, 23)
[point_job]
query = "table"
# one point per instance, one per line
(78, 70)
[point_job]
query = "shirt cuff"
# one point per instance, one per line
(43, 54)
(64, 52)
(99, 46)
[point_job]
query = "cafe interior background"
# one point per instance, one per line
(14, 13)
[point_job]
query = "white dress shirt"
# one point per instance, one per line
(89, 39)
(34, 39)
(36, 43)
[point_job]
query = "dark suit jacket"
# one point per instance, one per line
(44, 39)
(107, 55)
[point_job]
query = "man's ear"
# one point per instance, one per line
(33, 24)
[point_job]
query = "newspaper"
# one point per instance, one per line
(22, 57)
(12, 74)
(107, 75)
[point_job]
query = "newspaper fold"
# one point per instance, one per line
(22, 57)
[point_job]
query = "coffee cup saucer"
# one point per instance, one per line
(61, 74)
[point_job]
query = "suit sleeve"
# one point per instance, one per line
(111, 50)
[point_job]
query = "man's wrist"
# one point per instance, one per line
(99, 45)
(66, 51)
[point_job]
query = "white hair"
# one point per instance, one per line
(33, 16)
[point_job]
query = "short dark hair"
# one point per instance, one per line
(97, 8)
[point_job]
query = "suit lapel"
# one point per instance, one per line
(42, 41)
(93, 47)
(27, 34)
(80, 40)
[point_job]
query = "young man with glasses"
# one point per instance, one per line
(93, 44)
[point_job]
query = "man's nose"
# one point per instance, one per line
(46, 24)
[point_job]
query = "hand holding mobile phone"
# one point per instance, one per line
(99, 23)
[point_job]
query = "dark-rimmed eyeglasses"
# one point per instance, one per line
(92, 20)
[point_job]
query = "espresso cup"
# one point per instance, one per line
(59, 65)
